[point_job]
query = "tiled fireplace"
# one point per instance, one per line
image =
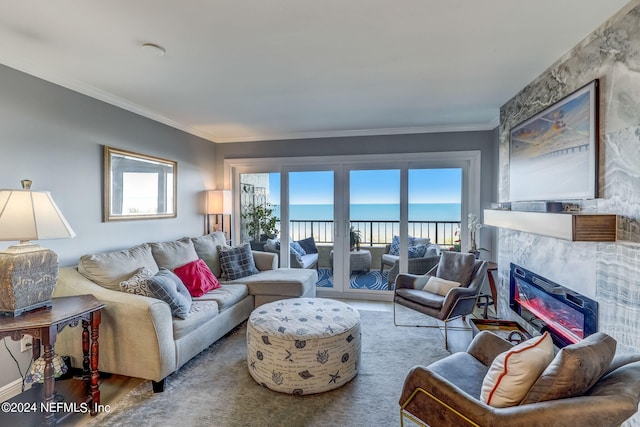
(606, 272)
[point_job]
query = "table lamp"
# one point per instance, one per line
(28, 272)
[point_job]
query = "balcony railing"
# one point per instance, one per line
(374, 232)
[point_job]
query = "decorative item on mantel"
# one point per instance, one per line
(28, 272)
(474, 227)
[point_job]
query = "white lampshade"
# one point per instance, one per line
(31, 215)
(219, 202)
(30, 271)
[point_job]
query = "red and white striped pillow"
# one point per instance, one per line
(513, 372)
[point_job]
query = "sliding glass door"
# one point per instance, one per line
(374, 219)
(362, 219)
(311, 222)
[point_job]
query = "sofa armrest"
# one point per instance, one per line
(430, 397)
(486, 346)
(436, 401)
(136, 332)
(265, 260)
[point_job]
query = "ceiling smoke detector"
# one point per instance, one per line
(153, 49)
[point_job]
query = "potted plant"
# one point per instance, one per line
(474, 227)
(354, 238)
(260, 222)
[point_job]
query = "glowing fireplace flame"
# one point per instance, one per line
(558, 317)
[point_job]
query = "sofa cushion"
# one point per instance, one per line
(456, 266)
(288, 282)
(237, 262)
(197, 278)
(418, 296)
(513, 372)
(308, 260)
(173, 254)
(200, 313)
(168, 287)
(137, 284)
(110, 268)
(225, 296)
(468, 379)
(574, 370)
(207, 249)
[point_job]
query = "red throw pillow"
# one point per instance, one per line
(197, 277)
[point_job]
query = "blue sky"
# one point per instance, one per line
(375, 186)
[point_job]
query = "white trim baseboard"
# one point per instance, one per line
(10, 390)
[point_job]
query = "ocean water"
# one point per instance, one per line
(377, 212)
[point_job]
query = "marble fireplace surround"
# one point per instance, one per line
(606, 272)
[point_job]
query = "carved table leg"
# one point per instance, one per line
(96, 317)
(85, 357)
(49, 338)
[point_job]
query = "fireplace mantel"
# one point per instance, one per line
(567, 226)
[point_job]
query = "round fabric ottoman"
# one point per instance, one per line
(303, 345)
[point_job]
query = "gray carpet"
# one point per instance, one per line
(215, 388)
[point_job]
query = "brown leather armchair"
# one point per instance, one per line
(457, 302)
(447, 392)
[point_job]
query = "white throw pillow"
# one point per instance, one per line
(513, 372)
(439, 286)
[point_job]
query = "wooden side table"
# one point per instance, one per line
(483, 299)
(45, 324)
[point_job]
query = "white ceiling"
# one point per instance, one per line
(279, 69)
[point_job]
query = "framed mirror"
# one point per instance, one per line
(137, 186)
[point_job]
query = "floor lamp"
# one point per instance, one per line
(28, 272)
(218, 204)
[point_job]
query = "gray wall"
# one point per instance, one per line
(54, 137)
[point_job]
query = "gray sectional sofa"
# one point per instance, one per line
(139, 336)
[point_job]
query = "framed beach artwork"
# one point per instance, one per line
(554, 154)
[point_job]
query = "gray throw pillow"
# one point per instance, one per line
(168, 287)
(456, 266)
(174, 254)
(574, 370)
(207, 249)
(237, 262)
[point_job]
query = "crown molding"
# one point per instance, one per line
(366, 132)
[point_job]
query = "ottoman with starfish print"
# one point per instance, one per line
(303, 345)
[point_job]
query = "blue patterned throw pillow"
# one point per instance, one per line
(237, 261)
(395, 244)
(417, 251)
